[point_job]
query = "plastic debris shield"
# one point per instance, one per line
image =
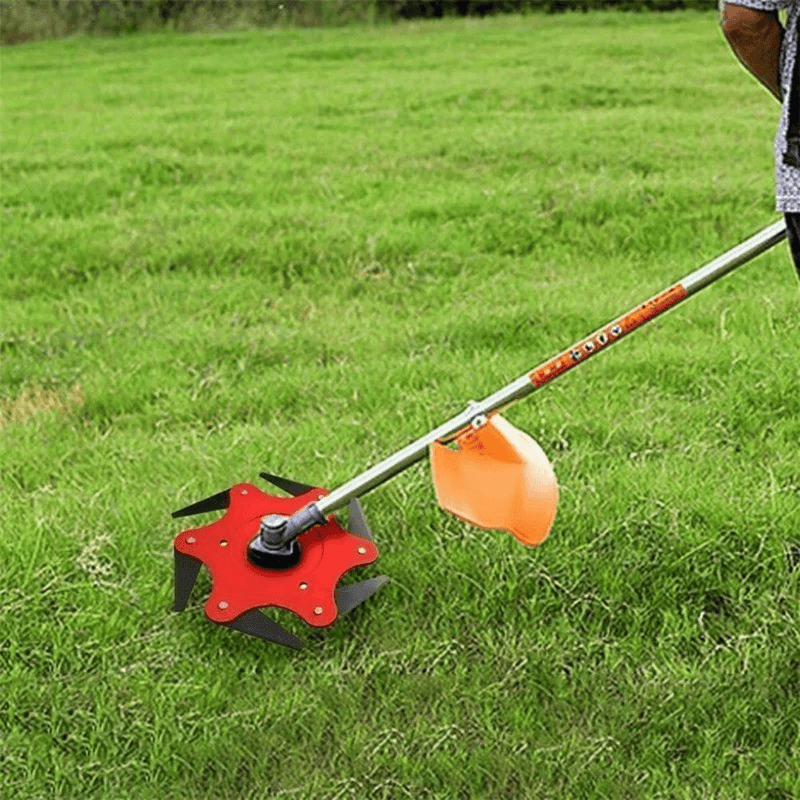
(498, 478)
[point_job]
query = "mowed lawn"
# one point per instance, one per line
(298, 250)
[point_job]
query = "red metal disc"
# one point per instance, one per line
(327, 552)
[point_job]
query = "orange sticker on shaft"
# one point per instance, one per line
(588, 347)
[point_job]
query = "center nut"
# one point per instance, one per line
(268, 550)
(272, 525)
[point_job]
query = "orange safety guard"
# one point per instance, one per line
(498, 479)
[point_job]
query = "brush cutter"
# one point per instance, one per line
(291, 552)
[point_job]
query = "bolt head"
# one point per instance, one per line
(318, 610)
(223, 605)
(362, 550)
(273, 521)
(190, 540)
(223, 543)
(303, 585)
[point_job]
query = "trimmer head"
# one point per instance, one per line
(304, 581)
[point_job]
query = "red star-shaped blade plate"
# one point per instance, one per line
(327, 552)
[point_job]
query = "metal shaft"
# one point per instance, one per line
(556, 366)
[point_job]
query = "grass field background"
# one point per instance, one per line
(298, 250)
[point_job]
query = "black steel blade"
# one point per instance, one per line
(256, 624)
(186, 569)
(358, 523)
(293, 487)
(216, 502)
(348, 597)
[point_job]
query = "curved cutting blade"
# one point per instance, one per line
(358, 522)
(256, 624)
(217, 502)
(292, 487)
(348, 597)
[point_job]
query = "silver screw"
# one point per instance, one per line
(362, 550)
(318, 610)
(191, 540)
(304, 585)
(223, 605)
(244, 491)
(223, 543)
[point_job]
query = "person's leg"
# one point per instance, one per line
(793, 236)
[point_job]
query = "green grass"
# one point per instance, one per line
(298, 250)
